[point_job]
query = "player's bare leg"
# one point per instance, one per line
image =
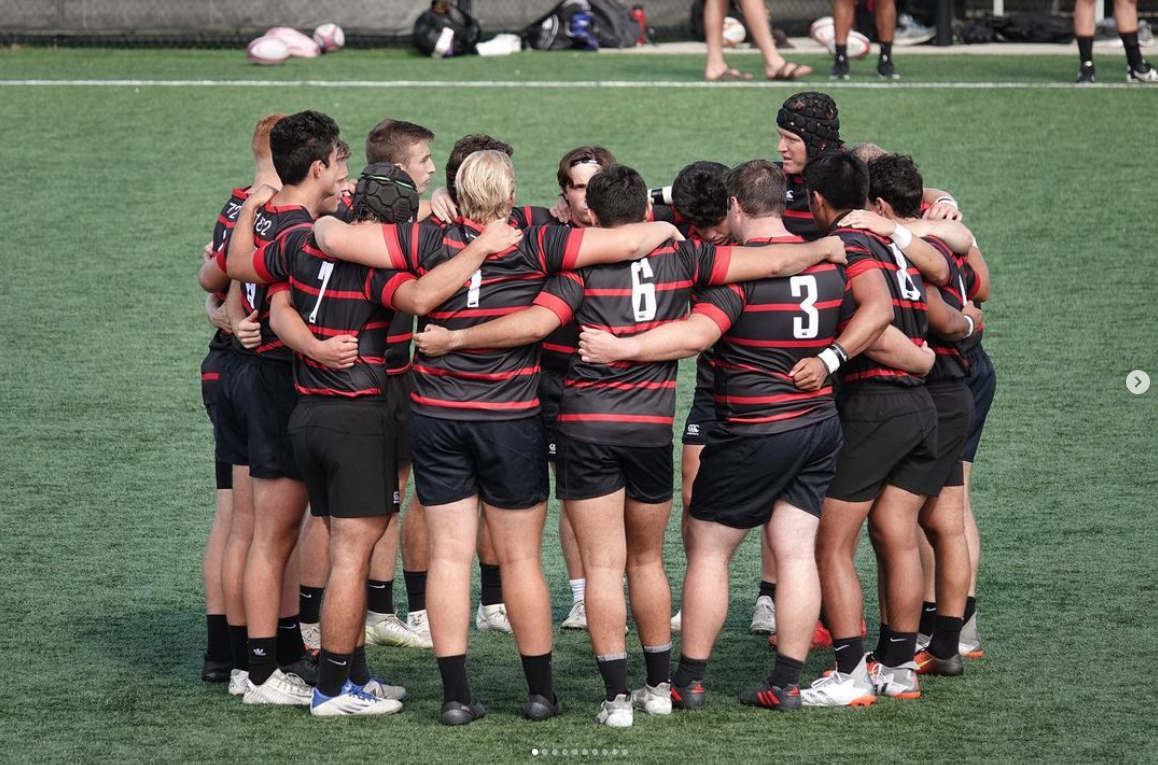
(600, 533)
(577, 618)
(764, 612)
(716, 67)
(843, 14)
(689, 469)
(650, 595)
(491, 615)
(233, 571)
(972, 533)
(313, 552)
(218, 661)
(415, 561)
(759, 26)
(836, 542)
(893, 530)
(943, 520)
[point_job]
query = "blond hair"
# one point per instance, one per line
(485, 185)
(867, 152)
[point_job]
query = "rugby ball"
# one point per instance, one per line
(330, 38)
(299, 45)
(267, 51)
(823, 31)
(858, 46)
(734, 32)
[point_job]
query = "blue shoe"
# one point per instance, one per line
(353, 700)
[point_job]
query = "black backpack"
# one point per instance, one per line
(612, 26)
(443, 15)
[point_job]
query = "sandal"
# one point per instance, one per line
(791, 71)
(731, 74)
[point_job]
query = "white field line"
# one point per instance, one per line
(576, 84)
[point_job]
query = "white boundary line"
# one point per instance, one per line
(562, 84)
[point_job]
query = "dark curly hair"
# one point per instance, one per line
(300, 140)
(896, 179)
(699, 194)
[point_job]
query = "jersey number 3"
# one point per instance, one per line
(806, 327)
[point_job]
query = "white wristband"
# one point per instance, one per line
(902, 237)
(972, 326)
(947, 201)
(830, 359)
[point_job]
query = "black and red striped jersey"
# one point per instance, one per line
(767, 327)
(797, 214)
(487, 383)
(629, 403)
(867, 251)
(972, 287)
(950, 363)
(335, 298)
(526, 216)
(222, 228)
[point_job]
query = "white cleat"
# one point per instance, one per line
(897, 682)
(969, 645)
(840, 690)
(617, 713)
(1147, 75)
(388, 629)
(312, 635)
(677, 620)
(353, 700)
(764, 616)
(492, 618)
(418, 624)
(577, 619)
(238, 682)
(654, 701)
(382, 689)
(282, 688)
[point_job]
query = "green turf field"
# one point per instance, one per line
(109, 194)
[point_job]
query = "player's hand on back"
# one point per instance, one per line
(599, 347)
(208, 253)
(336, 352)
(809, 374)
(442, 206)
(974, 313)
(248, 331)
(434, 341)
(498, 236)
(942, 211)
(928, 356)
(869, 221)
(260, 195)
(834, 250)
(561, 211)
(218, 315)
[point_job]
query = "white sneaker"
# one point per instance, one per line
(897, 682)
(353, 700)
(492, 618)
(970, 640)
(764, 616)
(617, 713)
(416, 621)
(840, 690)
(238, 682)
(654, 701)
(312, 635)
(577, 619)
(1146, 75)
(677, 620)
(389, 630)
(923, 641)
(281, 688)
(382, 689)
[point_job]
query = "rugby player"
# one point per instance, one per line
(1138, 70)
(885, 15)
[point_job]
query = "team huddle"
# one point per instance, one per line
(832, 302)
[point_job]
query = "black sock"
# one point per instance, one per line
(946, 636)
(218, 644)
(786, 672)
(613, 670)
(882, 642)
(657, 658)
(333, 672)
(886, 51)
(454, 684)
(359, 669)
(970, 607)
(415, 590)
(290, 647)
(928, 618)
(1133, 52)
(238, 644)
(842, 53)
(848, 653)
(767, 588)
(538, 672)
(262, 659)
(690, 671)
(380, 596)
(492, 584)
(1086, 50)
(902, 646)
(310, 604)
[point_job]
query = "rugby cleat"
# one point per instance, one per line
(457, 713)
(539, 708)
(418, 624)
(1086, 75)
(839, 69)
(353, 700)
(691, 697)
(837, 689)
(677, 621)
(897, 682)
(773, 697)
(928, 664)
(312, 635)
(886, 69)
(389, 630)
(381, 688)
(969, 644)
(281, 688)
(238, 682)
(618, 713)
(577, 619)
(763, 616)
(655, 700)
(1146, 75)
(492, 618)
(306, 668)
(923, 641)
(215, 671)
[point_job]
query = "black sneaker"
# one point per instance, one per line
(690, 697)
(306, 668)
(215, 671)
(539, 708)
(457, 713)
(773, 697)
(1086, 75)
(1144, 74)
(886, 70)
(839, 69)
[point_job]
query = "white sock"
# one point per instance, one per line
(578, 587)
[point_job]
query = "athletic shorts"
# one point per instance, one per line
(550, 401)
(257, 400)
(346, 451)
(502, 462)
(701, 418)
(742, 477)
(982, 382)
(890, 437)
(211, 368)
(398, 390)
(586, 471)
(954, 404)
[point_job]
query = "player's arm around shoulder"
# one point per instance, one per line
(242, 248)
(615, 245)
(773, 261)
(336, 352)
(374, 245)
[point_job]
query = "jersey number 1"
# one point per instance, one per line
(324, 277)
